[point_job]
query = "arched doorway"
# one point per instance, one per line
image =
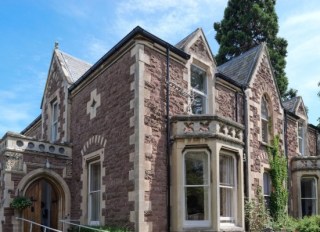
(45, 205)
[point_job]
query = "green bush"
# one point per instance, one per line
(102, 228)
(20, 203)
(309, 224)
(285, 223)
(257, 215)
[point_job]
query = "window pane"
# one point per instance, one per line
(308, 207)
(95, 177)
(264, 109)
(196, 168)
(198, 79)
(264, 131)
(300, 130)
(197, 204)
(226, 170)
(226, 203)
(300, 145)
(266, 184)
(95, 206)
(198, 104)
(308, 188)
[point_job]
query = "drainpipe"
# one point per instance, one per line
(246, 123)
(287, 158)
(168, 141)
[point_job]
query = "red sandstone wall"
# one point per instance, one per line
(34, 131)
(227, 104)
(155, 117)
(312, 141)
(292, 140)
(113, 123)
(262, 83)
(55, 83)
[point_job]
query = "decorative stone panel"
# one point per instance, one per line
(200, 126)
(305, 163)
(13, 161)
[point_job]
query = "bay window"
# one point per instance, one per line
(196, 189)
(308, 196)
(199, 90)
(228, 189)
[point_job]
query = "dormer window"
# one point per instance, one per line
(301, 138)
(54, 121)
(264, 120)
(199, 90)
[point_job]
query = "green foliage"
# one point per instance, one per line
(291, 93)
(286, 223)
(247, 24)
(309, 224)
(257, 215)
(101, 228)
(278, 174)
(20, 203)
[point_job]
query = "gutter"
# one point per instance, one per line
(136, 31)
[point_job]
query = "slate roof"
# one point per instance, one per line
(291, 104)
(241, 67)
(182, 44)
(75, 66)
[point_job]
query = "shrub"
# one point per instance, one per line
(309, 224)
(257, 216)
(101, 228)
(20, 203)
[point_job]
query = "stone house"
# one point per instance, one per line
(157, 137)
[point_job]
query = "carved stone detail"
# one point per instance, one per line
(13, 161)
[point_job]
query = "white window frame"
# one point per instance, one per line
(267, 186)
(54, 120)
(232, 221)
(196, 223)
(91, 222)
(301, 138)
(264, 120)
(316, 194)
(196, 91)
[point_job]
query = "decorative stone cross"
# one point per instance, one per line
(93, 103)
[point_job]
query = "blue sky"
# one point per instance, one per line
(88, 29)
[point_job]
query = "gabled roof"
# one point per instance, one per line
(296, 107)
(74, 66)
(182, 44)
(291, 104)
(241, 67)
(189, 41)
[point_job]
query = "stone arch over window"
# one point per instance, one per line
(266, 118)
(93, 171)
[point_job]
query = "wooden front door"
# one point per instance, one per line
(44, 209)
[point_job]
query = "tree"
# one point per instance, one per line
(291, 93)
(246, 24)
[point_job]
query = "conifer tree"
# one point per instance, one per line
(246, 24)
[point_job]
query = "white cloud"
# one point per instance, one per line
(302, 30)
(170, 20)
